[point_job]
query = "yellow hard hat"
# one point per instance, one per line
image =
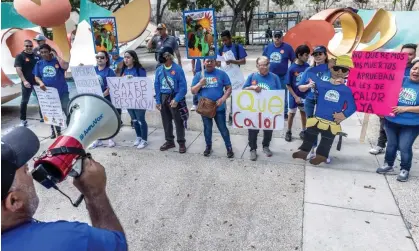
(344, 61)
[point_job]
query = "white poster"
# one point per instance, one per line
(132, 93)
(235, 75)
(264, 110)
(86, 80)
(51, 109)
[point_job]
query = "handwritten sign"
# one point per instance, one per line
(51, 109)
(132, 93)
(376, 80)
(264, 110)
(86, 80)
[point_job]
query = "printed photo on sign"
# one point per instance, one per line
(86, 80)
(264, 110)
(50, 104)
(132, 93)
(105, 36)
(201, 33)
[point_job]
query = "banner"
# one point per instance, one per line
(86, 80)
(105, 36)
(201, 33)
(132, 93)
(264, 110)
(376, 80)
(50, 104)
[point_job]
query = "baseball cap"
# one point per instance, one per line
(17, 148)
(344, 61)
(161, 26)
(166, 49)
(278, 33)
(319, 48)
(40, 37)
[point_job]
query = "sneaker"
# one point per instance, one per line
(288, 136)
(267, 151)
(207, 151)
(385, 169)
(167, 145)
(96, 144)
(253, 155)
(182, 148)
(403, 176)
(142, 144)
(398, 156)
(311, 155)
(137, 141)
(23, 123)
(193, 108)
(111, 143)
(328, 160)
(41, 120)
(230, 153)
(377, 150)
(53, 136)
(302, 133)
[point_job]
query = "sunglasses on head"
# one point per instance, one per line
(343, 69)
(317, 54)
(100, 57)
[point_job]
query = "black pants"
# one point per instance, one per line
(382, 138)
(169, 114)
(26, 94)
(253, 137)
(310, 137)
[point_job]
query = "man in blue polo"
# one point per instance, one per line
(280, 55)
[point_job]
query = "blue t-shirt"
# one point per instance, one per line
(214, 87)
(140, 72)
(407, 70)
(176, 78)
(279, 57)
(235, 48)
(114, 63)
(51, 73)
(409, 96)
(322, 71)
(268, 82)
(63, 236)
(294, 75)
(103, 74)
(332, 99)
(198, 65)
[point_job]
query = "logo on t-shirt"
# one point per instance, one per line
(408, 96)
(332, 96)
(323, 76)
(164, 84)
(49, 72)
(276, 57)
(264, 86)
(211, 82)
(254, 82)
(173, 72)
(27, 60)
(298, 76)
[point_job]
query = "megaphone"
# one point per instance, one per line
(89, 118)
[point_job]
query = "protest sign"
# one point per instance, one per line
(86, 80)
(201, 33)
(131, 93)
(376, 80)
(50, 104)
(105, 36)
(235, 75)
(264, 110)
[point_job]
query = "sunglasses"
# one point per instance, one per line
(28, 46)
(277, 36)
(317, 54)
(100, 57)
(343, 69)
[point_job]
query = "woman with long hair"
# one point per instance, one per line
(133, 68)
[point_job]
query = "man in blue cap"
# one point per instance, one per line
(19, 201)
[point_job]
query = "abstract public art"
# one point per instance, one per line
(200, 31)
(105, 36)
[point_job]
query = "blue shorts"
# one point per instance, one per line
(292, 104)
(309, 105)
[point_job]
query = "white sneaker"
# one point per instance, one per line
(142, 144)
(97, 143)
(111, 143)
(376, 150)
(311, 155)
(23, 123)
(137, 141)
(193, 108)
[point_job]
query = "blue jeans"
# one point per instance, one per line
(140, 125)
(400, 137)
(64, 100)
(220, 120)
(284, 86)
(309, 105)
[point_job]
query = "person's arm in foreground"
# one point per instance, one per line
(64, 64)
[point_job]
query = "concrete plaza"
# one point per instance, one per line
(168, 201)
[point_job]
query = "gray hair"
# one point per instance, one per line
(264, 58)
(414, 61)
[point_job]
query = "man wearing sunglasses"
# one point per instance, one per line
(280, 55)
(24, 64)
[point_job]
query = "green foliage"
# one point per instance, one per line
(180, 5)
(236, 39)
(285, 3)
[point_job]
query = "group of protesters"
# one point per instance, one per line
(280, 67)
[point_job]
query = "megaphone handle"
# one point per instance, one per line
(78, 201)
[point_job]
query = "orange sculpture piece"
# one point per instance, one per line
(304, 33)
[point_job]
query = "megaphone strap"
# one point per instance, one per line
(66, 150)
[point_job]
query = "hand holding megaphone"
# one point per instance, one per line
(92, 181)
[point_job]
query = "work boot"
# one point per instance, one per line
(182, 148)
(167, 145)
(318, 160)
(207, 151)
(300, 155)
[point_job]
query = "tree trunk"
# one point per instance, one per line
(238, 9)
(410, 4)
(248, 23)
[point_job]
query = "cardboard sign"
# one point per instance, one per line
(50, 104)
(376, 80)
(132, 93)
(264, 110)
(86, 80)
(105, 36)
(201, 33)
